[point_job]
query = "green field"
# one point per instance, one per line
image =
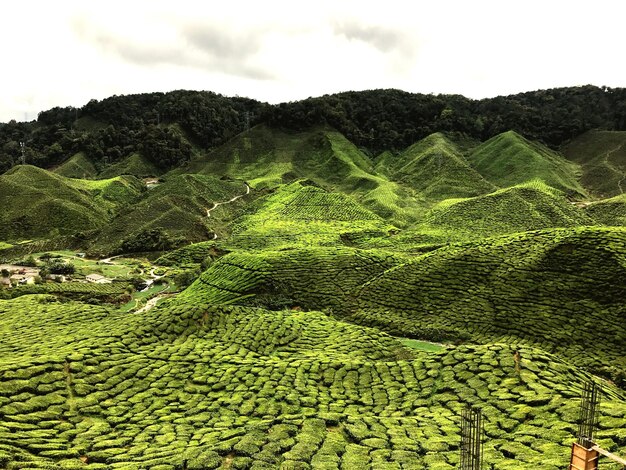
(319, 307)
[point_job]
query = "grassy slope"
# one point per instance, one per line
(559, 289)
(436, 169)
(520, 208)
(267, 157)
(310, 278)
(609, 211)
(38, 203)
(509, 159)
(77, 166)
(249, 388)
(302, 215)
(178, 207)
(602, 156)
(134, 164)
(204, 378)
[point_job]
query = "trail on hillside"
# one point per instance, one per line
(617, 170)
(231, 200)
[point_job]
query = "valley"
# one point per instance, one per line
(293, 299)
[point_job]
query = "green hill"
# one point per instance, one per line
(135, 164)
(299, 214)
(77, 166)
(602, 156)
(311, 278)
(559, 289)
(435, 168)
(520, 208)
(266, 157)
(509, 159)
(608, 211)
(177, 209)
(38, 203)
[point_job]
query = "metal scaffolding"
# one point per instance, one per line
(471, 439)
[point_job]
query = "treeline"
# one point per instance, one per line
(164, 127)
(392, 120)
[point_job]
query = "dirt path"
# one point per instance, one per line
(233, 199)
(614, 168)
(108, 260)
(150, 304)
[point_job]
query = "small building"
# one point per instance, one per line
(98, 279)
(22, 279)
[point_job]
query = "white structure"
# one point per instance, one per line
(98, 279)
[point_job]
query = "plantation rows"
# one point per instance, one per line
(560, 290)
(517, 209)
(300, 215)
(250, 388)
(71, 290)
(308, 278)
(190, 254)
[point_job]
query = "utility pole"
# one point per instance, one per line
(247, 118)
(23, 157)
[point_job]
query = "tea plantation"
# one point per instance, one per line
(324, 309)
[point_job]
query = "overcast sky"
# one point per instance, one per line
(64, 52)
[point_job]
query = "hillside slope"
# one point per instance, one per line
(177, 208)
(435, 168)
(608, 211)
(529, 206)
(38, 203)
(266, 157)
(602, 156)
(300, 214)
(202, 387)
(509, 159)
(559, 289)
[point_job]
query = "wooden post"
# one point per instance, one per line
(607, 454)
(583, 458)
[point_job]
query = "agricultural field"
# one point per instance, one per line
(311, 306)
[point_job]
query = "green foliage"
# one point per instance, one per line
(520, 208)
(146, 240)
(509, 159)
(38, 203)
(608, 211)
(77, 166)
(602, 156)
(177, 209)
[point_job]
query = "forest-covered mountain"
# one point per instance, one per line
(166, 127)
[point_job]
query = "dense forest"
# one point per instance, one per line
(164, 127)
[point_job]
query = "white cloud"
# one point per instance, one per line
(66, 52)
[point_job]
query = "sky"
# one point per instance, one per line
(66, 52)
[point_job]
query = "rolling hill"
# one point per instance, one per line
(39, 204)
(602, 157)
(436, 169)
(323, 309)
(509, 159)
(520, 208)
(177, 208)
